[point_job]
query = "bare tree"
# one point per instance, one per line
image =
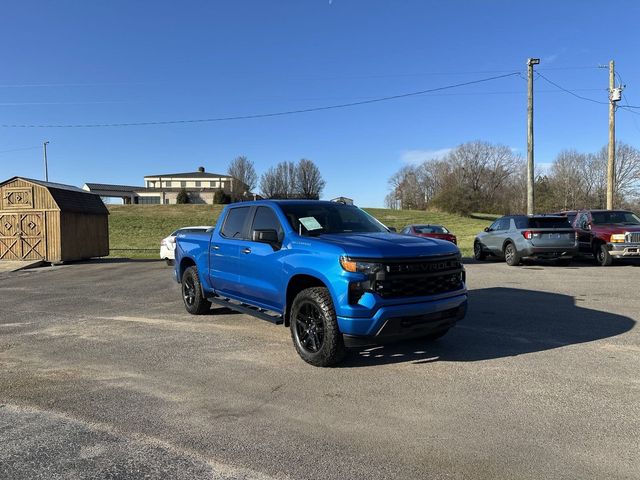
(627, 181)
(568, 182)
(269, 183)
(308, 180)
(243, 170)
(279, 181)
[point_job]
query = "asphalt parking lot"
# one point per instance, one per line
(104, 375)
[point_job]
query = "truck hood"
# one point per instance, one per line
(388, 245)
(615, 228)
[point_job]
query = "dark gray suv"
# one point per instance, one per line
(515, 237)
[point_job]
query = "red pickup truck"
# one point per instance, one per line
(607, 234)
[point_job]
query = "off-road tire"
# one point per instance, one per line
(511, 255)
(602, 255)
(478, 253)
(314, 307)
(194, 300)
(169, 262)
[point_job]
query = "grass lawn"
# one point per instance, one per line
(135, 231)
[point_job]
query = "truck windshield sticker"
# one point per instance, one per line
(310, 223)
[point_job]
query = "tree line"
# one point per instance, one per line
(285, 180)
(483, 177)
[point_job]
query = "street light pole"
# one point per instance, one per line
(46, 166)
(530, 166)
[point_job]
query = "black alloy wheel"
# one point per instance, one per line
(314, 328)
(309, 327)
(189, 291)
(194, 300)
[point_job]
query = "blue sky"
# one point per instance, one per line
(77, 62)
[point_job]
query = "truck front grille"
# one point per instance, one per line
(633, 237)
(420, 277)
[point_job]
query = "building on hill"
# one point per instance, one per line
(201, 187)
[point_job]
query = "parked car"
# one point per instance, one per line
(608, 234)
(430, 231)
(330, 272)
(515, 237)
(168, 244)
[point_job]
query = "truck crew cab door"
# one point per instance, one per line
(260, 270)
(224, 251)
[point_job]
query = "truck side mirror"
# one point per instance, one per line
(265, 236)
(487, 229)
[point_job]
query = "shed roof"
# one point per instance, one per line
(69, 198)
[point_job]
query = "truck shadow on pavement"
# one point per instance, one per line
(503, 322)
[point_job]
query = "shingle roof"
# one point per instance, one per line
(113, 188)
(190, 175)
(70, 198)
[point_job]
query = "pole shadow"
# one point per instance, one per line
(503, 322)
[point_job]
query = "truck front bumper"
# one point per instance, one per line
(624, 249)
(400, 322)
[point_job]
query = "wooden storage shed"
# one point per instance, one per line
(51, 222)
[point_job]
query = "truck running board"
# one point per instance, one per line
(247, 309)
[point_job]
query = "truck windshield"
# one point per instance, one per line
(625, 218)
(320, 219)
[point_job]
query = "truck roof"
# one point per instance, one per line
(289, 202)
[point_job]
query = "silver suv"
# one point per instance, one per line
(515, 237)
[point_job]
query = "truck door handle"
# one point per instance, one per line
(215, 247)
(246, 250)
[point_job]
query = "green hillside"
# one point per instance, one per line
(135, 231)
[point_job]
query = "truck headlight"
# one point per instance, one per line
(617, 238)
(366, 268)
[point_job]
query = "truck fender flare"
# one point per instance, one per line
(296, 283)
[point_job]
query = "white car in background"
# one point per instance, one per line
(168, 244)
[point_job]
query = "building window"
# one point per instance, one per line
(183, 184)
(197, 183)
(149, 200)
(167, 184)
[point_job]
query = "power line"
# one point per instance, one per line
(265, 115)
(570, 91)
(18, 149)
(311, 75)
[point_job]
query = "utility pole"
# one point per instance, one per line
(46, 166)
(614, 96)
(530, 170)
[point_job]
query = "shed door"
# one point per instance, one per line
(22, 236)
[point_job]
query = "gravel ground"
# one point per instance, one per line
(104, 375)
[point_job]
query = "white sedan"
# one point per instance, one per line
(168, 244)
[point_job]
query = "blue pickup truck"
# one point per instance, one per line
(332, 273)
